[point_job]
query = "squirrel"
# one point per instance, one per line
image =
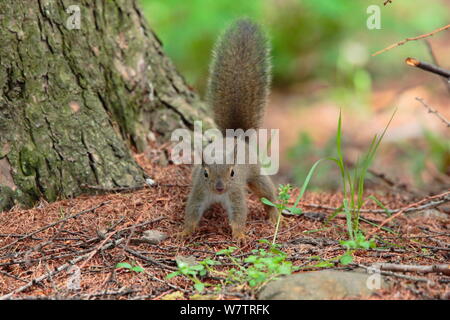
(237, 91)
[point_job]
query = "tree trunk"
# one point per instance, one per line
(75, 97)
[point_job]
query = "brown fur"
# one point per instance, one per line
(238, 89)
(239, 77)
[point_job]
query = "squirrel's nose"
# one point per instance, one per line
(219, 186)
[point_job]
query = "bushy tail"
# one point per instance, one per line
(239, 79)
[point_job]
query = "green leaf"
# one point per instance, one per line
(360, 237)
(137, 269)
(365, 244)
(346, 259)
(125, 265)
(172, 274)
(210, 262)
(227, 251)
(294, 210)
(285, 268)
(199, 286)
(267, 202)
(277, 251)
(350, 244)
(308, 178)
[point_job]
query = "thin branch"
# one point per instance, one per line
(147, 259)
(444, 197)
(436, 248)
(412, 39)
(121, 292)
(431, 204)
(45, 276)
(393, 274)
(437, 268)
(428, 67)
(54, 224)
(12, 276)
(431, 110)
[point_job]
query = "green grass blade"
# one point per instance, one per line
(381, 205)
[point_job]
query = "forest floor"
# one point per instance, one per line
(97, 232)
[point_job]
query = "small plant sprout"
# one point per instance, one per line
(353, 182)
(132, 267)
(353, 189)
(353, 193)
(194, 272)
(259, 267)
(281, 205)
(254, 270)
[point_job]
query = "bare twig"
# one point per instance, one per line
(393, 274)
(431, 110)
(431, 204)
(12, 276)
(54, 224)
(412, 39)
(46, 258)
(428, 67)
(436, 248)
(444, 197)
(142, 224)
(170, 285)
(147, 259)
(98, 248)
(121, 292)
(438, 268)
(56, 271)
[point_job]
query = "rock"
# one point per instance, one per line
(189, 260)
(149, 236)
(150, 182)
(322, 285)
(429, 213)
(154, 236)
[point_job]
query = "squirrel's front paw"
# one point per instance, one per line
(187, 231)
(238, 233)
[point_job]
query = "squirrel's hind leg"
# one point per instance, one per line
(263, 187)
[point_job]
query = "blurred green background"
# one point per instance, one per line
(310, 38)
(321, 44)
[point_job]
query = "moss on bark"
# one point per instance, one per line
(72, 102)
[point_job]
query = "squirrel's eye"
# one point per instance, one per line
(206, 174)
(232, 173)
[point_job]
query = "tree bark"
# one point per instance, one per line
(74, 100)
